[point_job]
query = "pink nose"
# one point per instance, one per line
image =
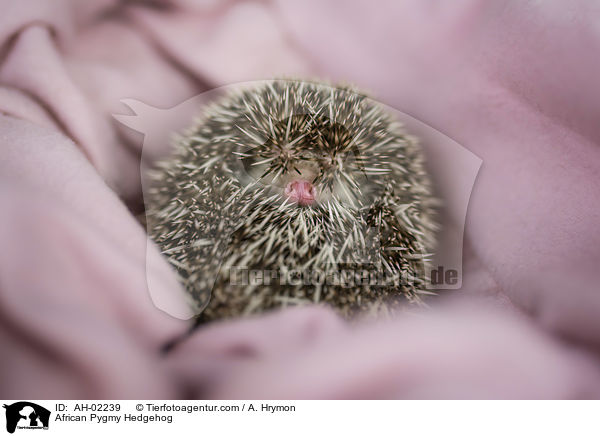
(301, 192)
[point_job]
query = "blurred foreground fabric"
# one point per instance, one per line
(514, 81)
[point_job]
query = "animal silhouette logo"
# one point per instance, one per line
(26, 415)
(455, 169)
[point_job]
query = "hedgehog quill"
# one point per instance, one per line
(290, 193)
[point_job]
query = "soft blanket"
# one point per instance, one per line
(513, 81)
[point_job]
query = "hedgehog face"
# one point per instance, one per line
(311, 159)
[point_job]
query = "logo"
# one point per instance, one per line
(26, 415)
(452, 167)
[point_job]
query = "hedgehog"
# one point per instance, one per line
(293, 192)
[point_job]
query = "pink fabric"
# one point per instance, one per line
(513, 81)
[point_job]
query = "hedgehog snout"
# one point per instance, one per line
(301, 191)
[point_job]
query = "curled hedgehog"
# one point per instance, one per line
(292, 192)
